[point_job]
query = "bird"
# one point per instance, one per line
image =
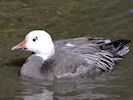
(54, 59)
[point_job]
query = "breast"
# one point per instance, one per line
(31, 68)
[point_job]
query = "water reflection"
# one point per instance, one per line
(45, 95)
(35, 90)
(78, 88)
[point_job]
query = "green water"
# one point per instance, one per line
(65, 19)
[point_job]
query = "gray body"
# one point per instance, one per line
(75, 56)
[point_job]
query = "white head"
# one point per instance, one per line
(39, 42)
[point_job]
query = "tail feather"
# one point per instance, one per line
(123, 51)
(119, 47)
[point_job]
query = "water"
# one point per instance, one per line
(65, 19)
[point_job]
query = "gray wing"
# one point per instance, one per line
(86, 53)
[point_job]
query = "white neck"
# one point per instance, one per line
(46, 55)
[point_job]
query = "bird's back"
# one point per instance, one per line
(81, 55)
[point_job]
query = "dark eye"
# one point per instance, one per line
(35, 39)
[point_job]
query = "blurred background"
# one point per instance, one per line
(111, 19)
